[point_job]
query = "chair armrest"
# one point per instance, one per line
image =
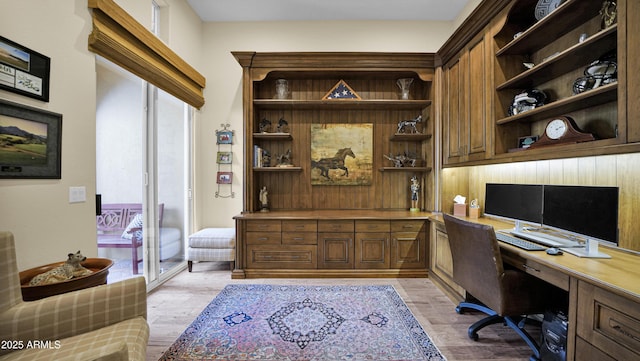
(57, 317)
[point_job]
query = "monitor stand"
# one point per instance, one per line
(589, 251)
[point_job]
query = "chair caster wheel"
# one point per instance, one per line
(459, 310)
(473, 335)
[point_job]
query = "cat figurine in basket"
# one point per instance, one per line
(69, 269)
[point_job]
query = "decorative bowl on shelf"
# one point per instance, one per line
(99, 266)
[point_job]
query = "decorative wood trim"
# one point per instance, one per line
(475, 22)
(121, 39)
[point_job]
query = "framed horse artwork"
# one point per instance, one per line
(342, 154)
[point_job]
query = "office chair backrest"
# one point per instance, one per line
(477, 264)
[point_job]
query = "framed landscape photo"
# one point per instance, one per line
(225, 177)
(30, 142)
(24, 71)
(225, 158)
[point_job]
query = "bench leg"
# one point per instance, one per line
(134, 258)
(232, 265)
(190, 265)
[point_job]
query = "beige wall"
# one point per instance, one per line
(224, 94)
(46, 226)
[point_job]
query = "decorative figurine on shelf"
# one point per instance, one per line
(284, 160)
(410, 124)
(415, 189)
(402, 160)
(265, 125)
(264, 199)
(283, 126)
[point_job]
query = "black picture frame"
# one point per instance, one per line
(30, 142)
(24, 71)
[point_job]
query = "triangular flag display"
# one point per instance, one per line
(341, 91)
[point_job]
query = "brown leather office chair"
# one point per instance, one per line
(505, 294)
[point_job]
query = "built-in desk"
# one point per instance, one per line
(604, 294)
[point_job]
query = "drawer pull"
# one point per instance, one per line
(408, 226)
(298, 238)
(527, 267)
(620, 328)
(263, 238)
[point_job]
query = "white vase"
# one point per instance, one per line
(405, 86)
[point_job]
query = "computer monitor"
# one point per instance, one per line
(517, 202)
(588, 211)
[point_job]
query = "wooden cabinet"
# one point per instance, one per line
(502, 50)
(441, 264)
(466, 100)
(353, 243)
(409, 244)
(310, 77)
(607, 324)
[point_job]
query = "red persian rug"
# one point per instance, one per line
(310, 323)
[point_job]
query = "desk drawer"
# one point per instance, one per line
(335, 226)
(264, 226)
(547, 274)
(373, 226)
(300, 238)
(609, 322)
(264, 238)
(406, 226)
(300, 226)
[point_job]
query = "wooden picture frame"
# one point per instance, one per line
(31, 142)
(224, 158)
(224, 178)
(24, 71)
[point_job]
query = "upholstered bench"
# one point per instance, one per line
(212, 245)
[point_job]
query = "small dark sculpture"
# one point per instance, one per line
(283, 126)
(284, 160)
(265, 125)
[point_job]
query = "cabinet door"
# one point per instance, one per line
(335, 250)
(408, 250)
(372, 250)
(466, 99)
(441, 264)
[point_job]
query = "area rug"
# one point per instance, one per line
(305, 323)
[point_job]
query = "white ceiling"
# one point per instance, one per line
(283, 10)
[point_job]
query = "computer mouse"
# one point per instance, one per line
(554, 251)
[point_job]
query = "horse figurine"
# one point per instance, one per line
(337, 162)
(411, 124)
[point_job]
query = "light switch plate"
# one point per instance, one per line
(77, 194)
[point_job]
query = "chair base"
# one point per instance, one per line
(517, 324)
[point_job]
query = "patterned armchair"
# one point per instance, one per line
(106, 322)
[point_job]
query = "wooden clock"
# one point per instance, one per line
(561, 130)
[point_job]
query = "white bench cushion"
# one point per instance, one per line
(222, 238)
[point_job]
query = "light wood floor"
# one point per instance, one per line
(174, 305)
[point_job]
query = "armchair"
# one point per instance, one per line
(106, 322)
(505, 294)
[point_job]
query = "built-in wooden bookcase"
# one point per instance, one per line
(310, 76)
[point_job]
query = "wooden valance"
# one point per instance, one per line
(121, 39)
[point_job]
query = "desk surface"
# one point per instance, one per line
(620, 274)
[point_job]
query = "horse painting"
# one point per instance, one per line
(337, 162)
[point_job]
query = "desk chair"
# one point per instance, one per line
(505, 294)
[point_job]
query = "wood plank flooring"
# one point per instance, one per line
(174, 305)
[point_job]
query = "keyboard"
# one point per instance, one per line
(519, 242)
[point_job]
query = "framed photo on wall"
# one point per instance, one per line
(30, 142)
(225, 158)
(24, 71)
(224, 177)
(224, 137)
